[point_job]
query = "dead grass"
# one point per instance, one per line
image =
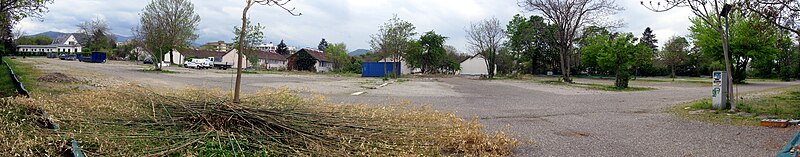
(128, 120)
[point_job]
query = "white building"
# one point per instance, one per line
(404, 67)
(271, 60)
(266, 47)
(474, 66)
(233, 58)
(65, 43)
(322, 65)
(177, 57)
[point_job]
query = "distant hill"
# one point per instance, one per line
(54, 35)
(359, 52)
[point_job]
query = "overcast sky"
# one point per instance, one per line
(348, 21)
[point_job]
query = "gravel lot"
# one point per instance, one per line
(551, 120)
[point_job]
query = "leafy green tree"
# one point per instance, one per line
(34, 40)
(615, 53)
(394, 39)
(305, 62)
(529, 41)
(254, 35)
(750, 38)
(337, 53)
(675, 52)
(432, 57)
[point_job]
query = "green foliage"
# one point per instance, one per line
(431, 55)
(254, 34)
(394, 38)
(34, 40)
(675, 52)
(531, 45)
(337, 53)
(750, 39)
(649, 39)
(615, 53)
(305, 62)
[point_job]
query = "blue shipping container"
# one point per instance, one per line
(96, 57)
(379, 69)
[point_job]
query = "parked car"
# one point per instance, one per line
(68, 57)
(148, 61)
(190, 65)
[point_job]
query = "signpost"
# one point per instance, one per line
(719, 90)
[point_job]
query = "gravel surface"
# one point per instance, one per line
(550, 120)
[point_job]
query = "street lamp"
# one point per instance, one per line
(726, 9)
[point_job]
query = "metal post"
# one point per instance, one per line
(728, 65)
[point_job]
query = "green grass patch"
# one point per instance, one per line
(7, 87)
(711, 116)
(593, 86)
(783, 105)
(779, 103)
(163, 71)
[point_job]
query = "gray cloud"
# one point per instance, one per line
(348, 21)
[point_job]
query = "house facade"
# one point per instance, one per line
(474, 66)
(322, 65)
(65, 43)
(218, 46)
(232, 57)
(271, 60)
(176, 58)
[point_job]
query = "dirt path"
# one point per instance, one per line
(552, 120)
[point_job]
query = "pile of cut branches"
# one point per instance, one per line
(132, 120)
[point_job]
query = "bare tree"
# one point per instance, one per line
(12, 11)
(97, 34)
(486, 38)
(279, 3)
(570, 16)
(710, 12)
(784, 14)
(167, 25)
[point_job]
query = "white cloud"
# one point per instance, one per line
(348, 21)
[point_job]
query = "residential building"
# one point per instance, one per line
(217, 46)
(65, 43)
(176, 58)
(474, 66)
(233, 57)
(322, 65)
(271, 60)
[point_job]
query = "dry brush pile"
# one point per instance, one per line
(131, 120)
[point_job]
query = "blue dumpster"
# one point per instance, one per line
(380, 69)
(95, 57)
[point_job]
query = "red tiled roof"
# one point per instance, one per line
(270, 55)
(319, 55)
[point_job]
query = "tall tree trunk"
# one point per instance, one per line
(564, 66)
(672, 67)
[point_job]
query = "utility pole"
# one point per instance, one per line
(242, 34)
(726, 50)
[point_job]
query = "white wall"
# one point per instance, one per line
(232, 57)
(276, 64)
(474, 66)
(179, 58)
(404, 69)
